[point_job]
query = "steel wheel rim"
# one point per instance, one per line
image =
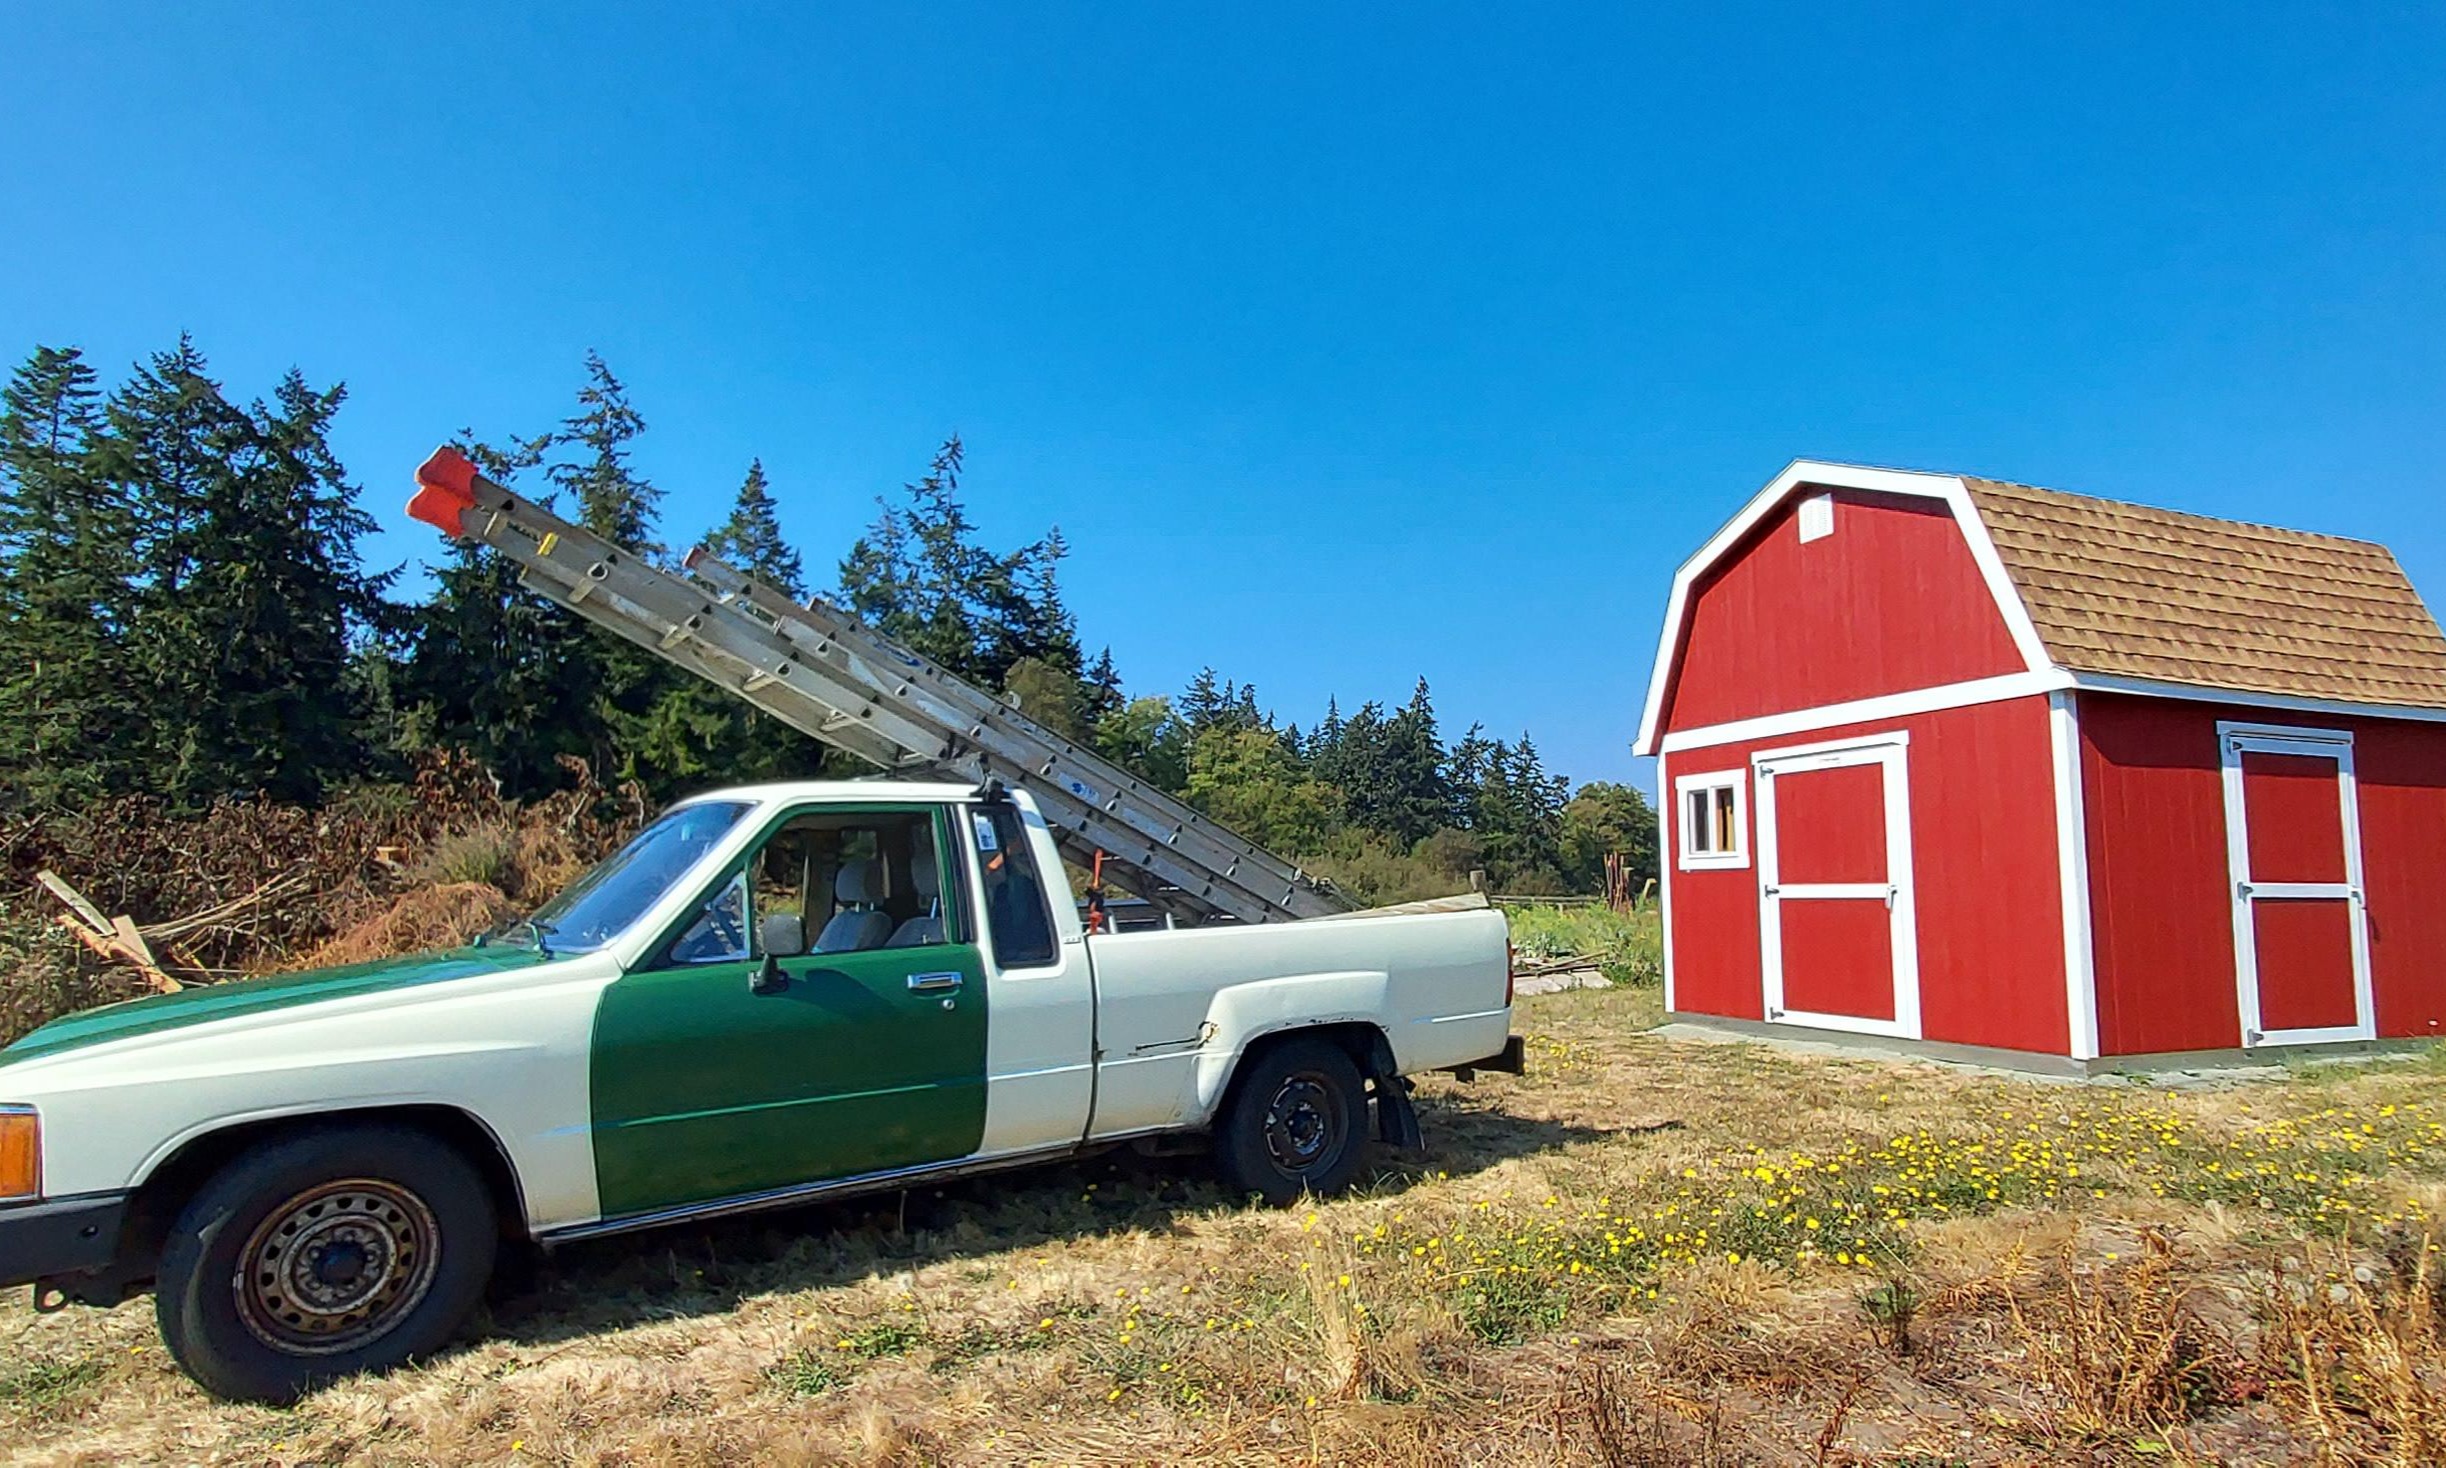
(1304, 1121)
(337, 1266)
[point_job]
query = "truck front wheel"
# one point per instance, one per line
(1295, 1122)
(341, 1250)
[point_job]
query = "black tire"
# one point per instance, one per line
(1295, 1122)
(372, 1245)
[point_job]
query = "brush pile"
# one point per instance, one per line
(126, 896)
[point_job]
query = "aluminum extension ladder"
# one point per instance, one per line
(823, 671)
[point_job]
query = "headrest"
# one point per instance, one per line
(924, 875)
(860, 882)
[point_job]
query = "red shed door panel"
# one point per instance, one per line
(1835, 912)
(1831, 824)
(1839, 958)
(2300, 930)
(2293, 817)
(2303, 948)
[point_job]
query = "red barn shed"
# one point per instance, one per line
(2044, 779)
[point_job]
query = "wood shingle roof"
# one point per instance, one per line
(2126, 590)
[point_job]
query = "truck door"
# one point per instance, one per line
(821, 1015)
(1040, 1057)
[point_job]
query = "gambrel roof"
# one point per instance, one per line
(2143, 593)
(2098, 593)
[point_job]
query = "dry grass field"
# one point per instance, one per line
(1647, 1251)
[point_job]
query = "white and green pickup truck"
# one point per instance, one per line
(771, 995)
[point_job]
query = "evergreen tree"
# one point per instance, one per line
(1103, 689)
(168, 440)
(169, 448)
(613, 500)
(254, 594)
(65, 704)
(1023, 612)
(751, 538)
(718, 736)
(1294, 744)
(1327, 738)
(1417, 796)
(1472, 759)
(1361, 764)
(650, 722)
(1520, 810)
(1244, 713)
(494, 668)
(1206, 701)
(919, 576)
(1216, 702)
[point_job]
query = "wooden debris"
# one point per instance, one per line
(59, 888)
(116, 938)
(144, 946)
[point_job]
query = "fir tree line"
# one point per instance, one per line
(184, 612)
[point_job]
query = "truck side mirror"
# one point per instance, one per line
(782, 935)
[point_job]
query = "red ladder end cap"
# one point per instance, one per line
(445, 491)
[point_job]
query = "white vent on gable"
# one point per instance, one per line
(1817, 517)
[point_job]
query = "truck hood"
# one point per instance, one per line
(208, 1002)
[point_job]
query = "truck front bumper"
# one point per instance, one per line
(59, 1241)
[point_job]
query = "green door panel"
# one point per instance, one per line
(704, 1090)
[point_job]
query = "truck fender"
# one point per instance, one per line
(1243, 1014)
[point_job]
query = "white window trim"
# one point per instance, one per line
(1738, 857)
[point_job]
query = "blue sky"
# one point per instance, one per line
(1344, 348)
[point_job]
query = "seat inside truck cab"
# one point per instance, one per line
(858, 880)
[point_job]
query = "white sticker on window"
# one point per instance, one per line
(984, 824)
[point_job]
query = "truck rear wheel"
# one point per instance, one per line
(1295, 1122)
(345, 1249)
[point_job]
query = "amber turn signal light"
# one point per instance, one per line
(20, 1153)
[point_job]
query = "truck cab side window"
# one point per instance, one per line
(1015, 911)
(719, 934)
(847, 881)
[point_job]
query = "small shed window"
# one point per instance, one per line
(1714, 820)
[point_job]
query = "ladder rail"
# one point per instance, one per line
(577, 568)
(1057, 769)
(823, 672)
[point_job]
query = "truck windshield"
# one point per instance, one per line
(604, 903)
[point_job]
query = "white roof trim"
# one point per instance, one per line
(1946, 487)
(2247, 698)
(1867, 710)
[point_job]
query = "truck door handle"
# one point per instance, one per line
(934, 983)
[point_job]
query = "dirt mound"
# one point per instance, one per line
(427, 918)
